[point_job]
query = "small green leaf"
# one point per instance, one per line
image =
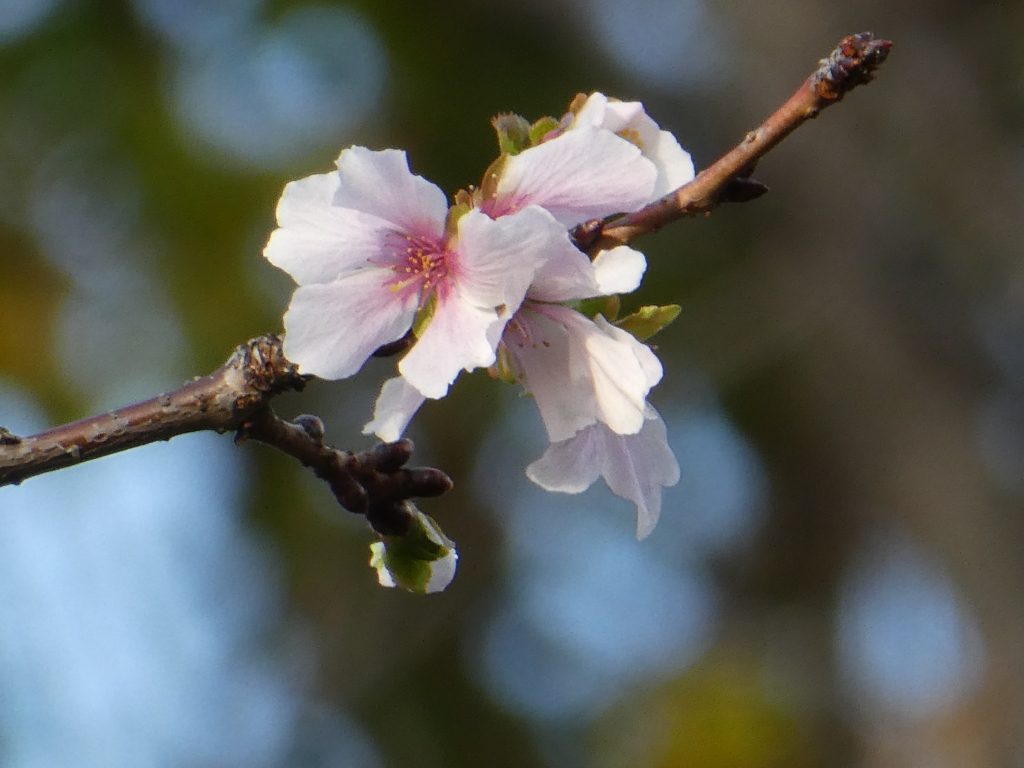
(600, 305)
(542, 128)
(647, 321)
(513, 133)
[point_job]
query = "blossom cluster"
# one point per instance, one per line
(495, 281)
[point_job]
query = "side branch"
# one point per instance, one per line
(854, 62)
(236, 398)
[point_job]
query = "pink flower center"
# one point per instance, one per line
(419, 264)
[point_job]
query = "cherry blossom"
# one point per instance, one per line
(368, 248)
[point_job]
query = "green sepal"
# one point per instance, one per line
(647, 321)
(600, 305)
(542, 128)
(412, 560)
(424, 315)
(489, 184)
(513, 133)
(463, 205)
(502, 369)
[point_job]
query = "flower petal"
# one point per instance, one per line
(619, 270)
(584, 174)
(332, 328)
(380, 183)
(396, 404)
(648, 361)
(460, 336)
(635, 467)
(496, 259)
(630, 120)
(316, 241)
(675, 166)
(553, 367)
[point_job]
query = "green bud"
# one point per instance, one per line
(422, 560)
(542, 128)
(513, 133)
(647, 321)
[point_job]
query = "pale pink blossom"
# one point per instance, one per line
(368, 248)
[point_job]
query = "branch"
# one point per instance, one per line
(854, 62)
(236, 398)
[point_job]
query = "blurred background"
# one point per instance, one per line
(838, 579)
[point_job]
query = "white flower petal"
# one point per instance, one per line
(620, 381)
(396, 404)
(554, 368)
(460, 336)
(316, 241)
(331, 329)
(635, 467)
(648, 361)
(630, 120)
(567, 276)
(584, 174)
(572, 465)
(619, 270)
(496, 259)
(675, 166)
(381, 184)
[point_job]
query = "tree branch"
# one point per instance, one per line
(853, 62)
(236, 398)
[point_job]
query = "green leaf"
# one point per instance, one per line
(647, 321)
(513, 133)
(600, 305)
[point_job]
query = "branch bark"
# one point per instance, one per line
(235, 398)
(854, 62)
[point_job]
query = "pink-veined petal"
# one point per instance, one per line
(460, 336)
(396, 404)
(635, 467)
(586, 173)
(495, 260)
(380, 183)
(619, 270)
(317, 241)
(332, 328)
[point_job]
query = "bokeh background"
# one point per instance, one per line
(837, 580)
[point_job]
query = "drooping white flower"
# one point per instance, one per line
(582, 371)
(368, 248)
(635, 467)
(629, 120)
